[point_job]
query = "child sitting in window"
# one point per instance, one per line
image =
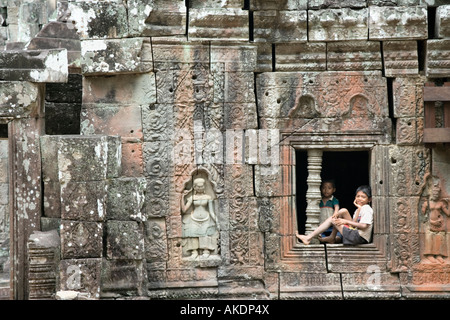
(329, 206)
(354, 231)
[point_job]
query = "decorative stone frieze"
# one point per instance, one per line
(442, 29)
(338, 24)
(398, 23)
(279, 5)
(280, 26)
(226, 24)
(300, 56)
(437, 58)
(354, 55)
(400, 58)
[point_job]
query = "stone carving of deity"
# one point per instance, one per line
(435, 248)
(200, 230)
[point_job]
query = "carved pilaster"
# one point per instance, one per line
(313, 194)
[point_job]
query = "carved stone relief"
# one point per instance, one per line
(434, 213)
(200, 228)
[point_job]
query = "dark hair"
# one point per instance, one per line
(329, 181)
(366, 189)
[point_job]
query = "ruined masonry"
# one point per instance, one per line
(171, 149)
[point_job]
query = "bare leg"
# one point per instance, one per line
(331, 238)
(307, 239)
(344, 214)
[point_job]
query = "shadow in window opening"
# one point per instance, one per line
(349, 170)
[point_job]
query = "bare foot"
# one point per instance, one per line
(303, 238)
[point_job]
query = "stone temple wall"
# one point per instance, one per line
(155, 146)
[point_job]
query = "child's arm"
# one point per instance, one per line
(336, 211)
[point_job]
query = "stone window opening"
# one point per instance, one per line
(348, 169)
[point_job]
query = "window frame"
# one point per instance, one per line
(294, 256)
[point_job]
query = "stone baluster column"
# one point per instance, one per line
(313, 195)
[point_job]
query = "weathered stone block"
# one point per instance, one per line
(442, 26)
(218, 24)
(397, 23)
(124, 89)
(337, 24)
(49, 152)
(86, 158)
(371, 283)
(301, 56)
(216, 4)
(295, 285)
(125, 240)
(132, 158)
(4, 193)
(123, 121)
(97, 20)
(407, 131)
(408, 97)
(82, 276)
(239, 116)
(278, 5)
(437, 58)
(280, 26)
(408, 165)
(114, 56)
(62, 118)
(52, 199)
(126, 198)
(122, 278)
(157, 18)
(323, 4)
(233, 57)
(34, 65)
(83, 201)
(80, 239)
(354, 55)
(55, 35)
(19, 99)
(185, 84)
(264, 57)
(237, 87)
(400, 58)
(169, 52)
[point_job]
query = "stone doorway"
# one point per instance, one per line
(349, 169)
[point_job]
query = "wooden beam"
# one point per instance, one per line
(436, 135)
(436, 93)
